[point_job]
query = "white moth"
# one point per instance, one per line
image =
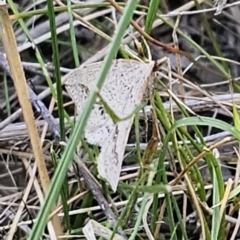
(123, 91)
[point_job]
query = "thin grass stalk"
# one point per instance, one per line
(186, 155)
(195, 181)
(161, 172)
(57, 9)
(144, 202)
(57, 73)
(151, 15)
(127, 214)
(137, 137)
(195, 176)
(150, 18)
(91, 152)
(156, 188)
(154, 207)
(160, 109)
(216, 221)
(64, 194)
(105, 188)
(6, 95)
(79, 221)
(168, 198)
(72, 34)
(218, 224)
(180, 219)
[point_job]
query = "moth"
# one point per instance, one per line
(123, 91)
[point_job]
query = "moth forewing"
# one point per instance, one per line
(122, 91)
(112, 153)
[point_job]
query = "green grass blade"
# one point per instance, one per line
(72, 34)
(67, 157)
(216, 210)
(56, 62)
(151, 15)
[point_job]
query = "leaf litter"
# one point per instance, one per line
(200, 103)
